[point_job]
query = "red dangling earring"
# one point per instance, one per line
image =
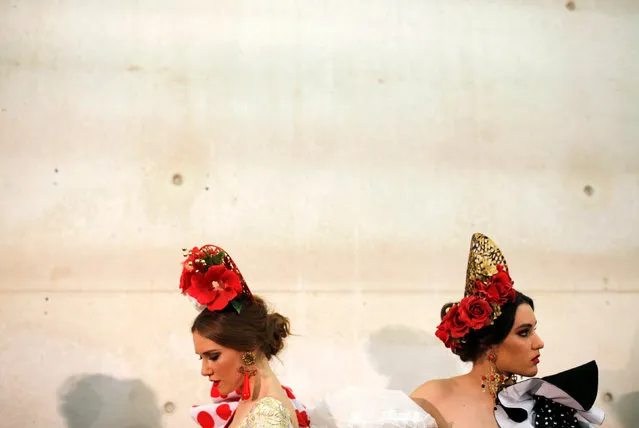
(246, 387)
(248, 360)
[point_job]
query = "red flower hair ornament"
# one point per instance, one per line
(488, 287)
(211, 279)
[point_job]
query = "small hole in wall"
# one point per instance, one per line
(55, 170)
(608, 397)
(46, 299)
(169, 407)
(570, 5)
(206, 188)
(588, 190)
(177, 179)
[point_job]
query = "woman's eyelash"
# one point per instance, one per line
(213, 357)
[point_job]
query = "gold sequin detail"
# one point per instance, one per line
(482, 261)
(267, 413)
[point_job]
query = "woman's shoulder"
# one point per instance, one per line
(435, 396)
(434, 390)
(272, 404)
(268, 412)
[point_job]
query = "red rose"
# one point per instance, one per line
(457, 327)
(302, 419)
(443, 334)
(504, 285)
(475, 312)
(499, 288)
(491, 294)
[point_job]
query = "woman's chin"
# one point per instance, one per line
(223, 389)
(532, 372)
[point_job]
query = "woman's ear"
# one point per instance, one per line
(492, 353)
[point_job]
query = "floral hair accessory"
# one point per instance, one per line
(488, 287)
(212, 280)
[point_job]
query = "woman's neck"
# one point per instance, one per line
(262, 382)
(484, 374)
(480, 368)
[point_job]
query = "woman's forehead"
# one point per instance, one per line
(203, 344)
(524, 315)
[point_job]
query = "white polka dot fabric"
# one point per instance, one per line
(217, 413)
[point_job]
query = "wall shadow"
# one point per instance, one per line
(101, 401)
(409, 357)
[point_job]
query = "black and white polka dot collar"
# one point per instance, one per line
(564, 400)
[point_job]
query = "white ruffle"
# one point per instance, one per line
(521, 395)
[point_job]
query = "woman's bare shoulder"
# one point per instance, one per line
(434, 390)
(432, 396)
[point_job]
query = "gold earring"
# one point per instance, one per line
(495, 381)
(248, 360)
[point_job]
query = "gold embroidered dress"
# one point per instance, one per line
(268, 412)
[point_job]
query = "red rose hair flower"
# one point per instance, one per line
(210, 277)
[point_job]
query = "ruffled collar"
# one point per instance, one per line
(563, 400)
(217, 413)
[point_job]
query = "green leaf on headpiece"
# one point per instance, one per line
(237, 305)
(215, 260)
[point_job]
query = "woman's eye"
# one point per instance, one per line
(213, 357)
(523, 333)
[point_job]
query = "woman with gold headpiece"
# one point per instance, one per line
(493, 327)
(235, 336)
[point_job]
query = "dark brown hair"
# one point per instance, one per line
(254, 328)
(478, 341)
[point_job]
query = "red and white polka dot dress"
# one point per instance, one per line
(217, 414)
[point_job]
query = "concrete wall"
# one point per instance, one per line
(343, 152)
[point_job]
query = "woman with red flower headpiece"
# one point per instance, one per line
(235, 336)
(493, 327)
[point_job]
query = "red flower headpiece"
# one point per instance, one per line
(488, 287)
(211, 278)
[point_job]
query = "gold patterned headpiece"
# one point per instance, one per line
(483, 260)
(488, 287)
